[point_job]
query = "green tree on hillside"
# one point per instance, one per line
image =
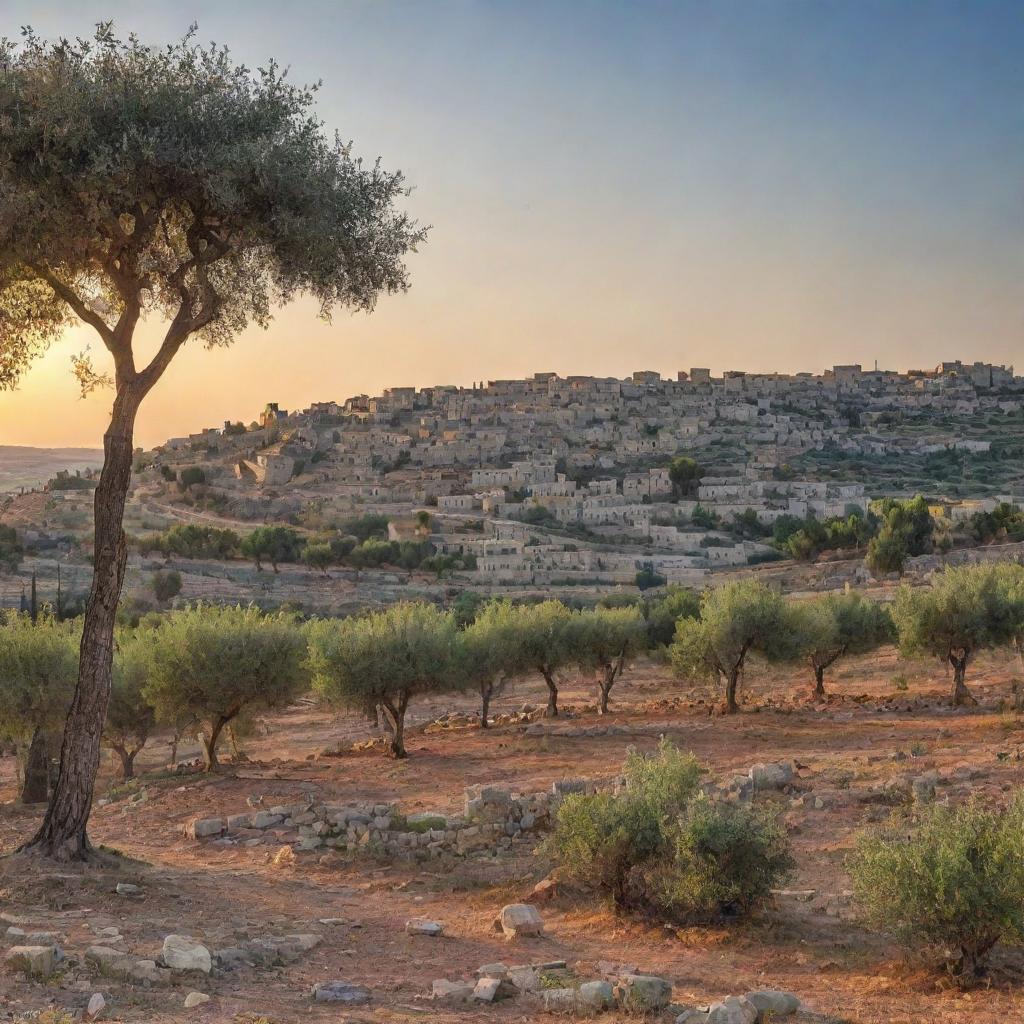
(384, 660)
(491, 652)
(604, 640)
(212, 663)
(273, 544)
(163, 183)
(735, 620)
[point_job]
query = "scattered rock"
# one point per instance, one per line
(97, 1004)
(561, 999)
(128, 889)
(640, 993)
(733, 1010)
(194, 999)
(203, 828)
(772, 776)
(37, 961)
(598, 995)
(420, 926)
(774, 1003)
(340, 992)
(184, 954)
(486, 990)
(453, 991)
(519, 920)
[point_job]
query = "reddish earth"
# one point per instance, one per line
(226, 894)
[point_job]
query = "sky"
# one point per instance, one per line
(740, 184)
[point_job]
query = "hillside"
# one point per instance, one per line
(29, 467)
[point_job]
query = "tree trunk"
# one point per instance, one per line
(210, 744)
(485, 703)
(62, 834)
(731, 682)
(36, 783)
(127, 762)
(395, 712)
(962, 697)
(819, 680)
(605, 682)
(552, 709)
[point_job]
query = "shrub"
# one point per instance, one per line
(952, 888)
(603, 838)
(166, 586)
(725, 861)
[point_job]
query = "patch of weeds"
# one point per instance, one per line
(900, 682)
(560, 977)
(918, 749)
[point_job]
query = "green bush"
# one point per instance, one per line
(601, 838)
(950, 887)
(725, 861)
(660, 843)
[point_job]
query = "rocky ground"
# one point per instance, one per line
(277, 922)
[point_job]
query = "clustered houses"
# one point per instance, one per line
(567, 477)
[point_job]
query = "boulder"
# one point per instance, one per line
(184, 954)
(128, 889)
(95, 1007)
(203, 828)
(521, 919)
(640, 993)
(453, 991)
(340, 992)
(561, 999)
(421, 926)
(774, 1002)
(693, 1016)
(772, 776)
(109, 961)
(733, 1010)
(598, 995)
(486, 990)
(38, 961)
(194, 999)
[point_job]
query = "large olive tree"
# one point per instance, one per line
(169, 183)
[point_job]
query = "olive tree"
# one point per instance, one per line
(37, 678)
(735, 619)
(826, 629)
(213, 663)
(546, 643)
(172, 184)
(385, 659)
(130, 715)
(962, 611)
(604, 639)
(491, 651)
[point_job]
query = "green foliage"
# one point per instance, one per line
(38, 669)
(130, 715)
(664, 612)
(964, 610)
(604, 640)
(190, 540)
(907, 530)
(601, 838)
(171, 179)
(212, 663)
(1004, 523)
(545, 641)
(168, 474)
(828, 628)
(65, 481)
(11, 550)
(951, 886)
(725, 859)
(366, 526)
(700, 516)
(190, 477)
(273, 544)
(647, 578)
(685, 475)
(658, 842)
(386, 659)
(735, 619)
(165, 586)
(318, 555)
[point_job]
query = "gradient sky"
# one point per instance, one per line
(739, 184)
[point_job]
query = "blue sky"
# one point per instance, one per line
(765, 185)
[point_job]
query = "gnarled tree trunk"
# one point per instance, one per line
(819, 680)
(731, 684)
(35, 787)
(394, 712)
(961, 696)
(62, 834)
(551, 711)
